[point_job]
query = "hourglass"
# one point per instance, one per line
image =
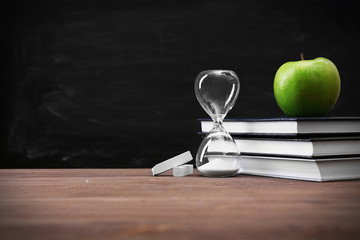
(218, 154)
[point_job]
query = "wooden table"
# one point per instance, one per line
(132, 204)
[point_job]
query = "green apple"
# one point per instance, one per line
(307, 87)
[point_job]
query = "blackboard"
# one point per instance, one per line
(110, 83)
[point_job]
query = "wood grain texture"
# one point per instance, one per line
(132, 204)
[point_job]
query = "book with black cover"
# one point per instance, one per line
(316, 147)
(302, 126)
(326, 169)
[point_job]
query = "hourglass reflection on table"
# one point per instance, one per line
(217, 91)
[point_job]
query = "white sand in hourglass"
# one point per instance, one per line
(220, 165)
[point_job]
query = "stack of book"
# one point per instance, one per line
(315, 149)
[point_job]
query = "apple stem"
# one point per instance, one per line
(302, 56)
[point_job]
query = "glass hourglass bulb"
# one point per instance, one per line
(218, 154)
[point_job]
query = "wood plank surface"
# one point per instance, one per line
(132, 204)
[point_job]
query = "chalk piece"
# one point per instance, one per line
(183, 170)
(171, 163)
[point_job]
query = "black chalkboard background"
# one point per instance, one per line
(110, 83)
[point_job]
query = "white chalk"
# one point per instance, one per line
(171, 163)
(183, 170)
